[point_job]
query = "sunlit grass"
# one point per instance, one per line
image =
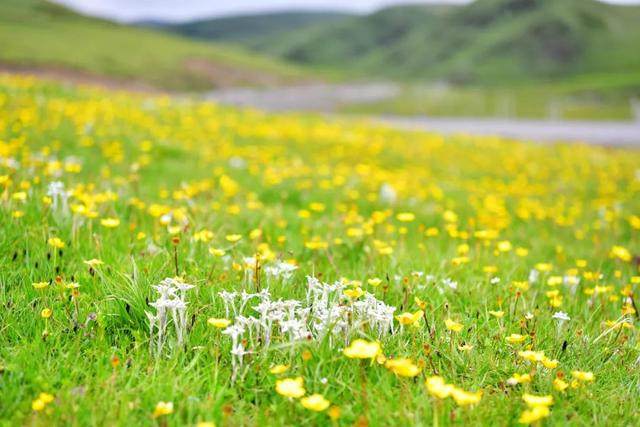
(491, 251)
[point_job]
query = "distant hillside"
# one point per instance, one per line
(251, 29)
(39, 36)
(485, 41)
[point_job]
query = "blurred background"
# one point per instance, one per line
(510, 59)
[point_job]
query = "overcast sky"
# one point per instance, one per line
(179, 10)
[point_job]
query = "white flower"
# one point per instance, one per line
(450, 283)
(561, 316)
(388, 194)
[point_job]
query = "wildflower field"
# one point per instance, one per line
(170, 262)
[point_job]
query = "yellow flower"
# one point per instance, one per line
(206, 424)
(621, 253)
(560, 385)
(504, 246)
(583, 376)
(537, 413)
(40, 285)
(438, 388)
(453, 325)
(361, 349)
(464, 398)
(233, 238)
(46, 313)
(203, 236)
(497, 314)
(532, 356)
(56, 242)
(279, 369)
(46, 397)
(533, 401)
(410, 318)
(405, 217)
(72, 285)
(218, 323)
(515, 338)
(549, 363)
(93, 262)
(420, 303)
(291, 387)
(374, 282)
(163, 408)
(334, 412)
(37, 405)
(216, 252)
(315, 402)
(519, 379)
(402, 367)
(354, 293)
(110, 222)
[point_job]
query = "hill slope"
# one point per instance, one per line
(36, 34)
(485, 41)
(251, 30)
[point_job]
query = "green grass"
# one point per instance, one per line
(589, 97)
(35, 33)
(302, 179)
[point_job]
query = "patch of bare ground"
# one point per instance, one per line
(74, 76)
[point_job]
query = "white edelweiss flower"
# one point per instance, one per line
(561, 316)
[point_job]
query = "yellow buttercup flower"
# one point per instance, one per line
(402, 367)
(354, 293)
(279, 369)
(515, 338)
(233, 238)
(361, 349)
(534, 414)
(110, 222)
(410, 318)
(291, 387)
(405, 217)
(533, 400)
(163, 408)
(218, 323)
(315, 402)
(40, 285)
(56, 242)
(437, 387)
(560, 385)
(453, 325)
(583, 376)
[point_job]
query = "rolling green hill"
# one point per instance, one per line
(38, 35)
(487, 41)
(252, 30)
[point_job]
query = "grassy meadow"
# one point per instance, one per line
(169, 262)
(587, 97)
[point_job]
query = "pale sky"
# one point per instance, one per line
(180, 10)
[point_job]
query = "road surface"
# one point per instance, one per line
(329, 97)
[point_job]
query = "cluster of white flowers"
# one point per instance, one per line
(324, 313)
(281, 270)
(171, 307)
(59, 197)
